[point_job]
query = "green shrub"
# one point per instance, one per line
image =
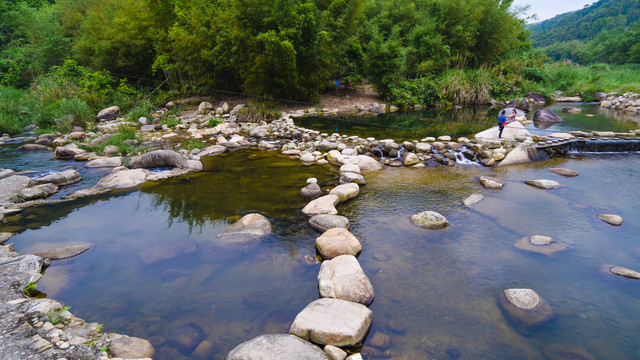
(171, 122)
(124, 133)
(214, 122)
(15, 110)
(193, 144)
(144, 108)
(258, 112)
(73, 112)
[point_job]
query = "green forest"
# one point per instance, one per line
(62, 60)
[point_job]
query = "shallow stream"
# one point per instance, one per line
(156, 268)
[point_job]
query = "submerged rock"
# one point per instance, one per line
(622, 271)
(429, 220)
(564, 172)
(333, 322)
(186, 337)
(567, 352)
(166, 249)
(131, 348)
(540, 244)
(64, 252)
(525, 307)
(277, 346)
(249, 229)
(491, 183)
(322, 205)
(611, 219)
(337, 241)
(325, 222)
(473, 199)
(343, 278)
(544, 184)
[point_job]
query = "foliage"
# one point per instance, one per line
(55, 316)
(170, 121)
(214, 122)
(143, 109)
(15, 108)
(258, 112)
(193, 144)
(119, 139)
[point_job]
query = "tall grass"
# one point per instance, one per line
(15, 110)
(258, 112)
(124, 133)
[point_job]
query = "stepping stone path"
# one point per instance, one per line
(322, 205)
(346, 192)
(611, 219)
(343, 278)
(333, 322)
(323, 223)
(337, 241)
(544, 184)
(564, 172)
(312, 189)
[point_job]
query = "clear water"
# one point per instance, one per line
(436, 291)
(415, 125)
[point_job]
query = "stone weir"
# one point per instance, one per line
(587, 144)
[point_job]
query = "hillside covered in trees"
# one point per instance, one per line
(607, 31)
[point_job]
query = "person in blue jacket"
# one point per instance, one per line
(502, 120)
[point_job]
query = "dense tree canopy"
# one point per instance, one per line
(283, 48)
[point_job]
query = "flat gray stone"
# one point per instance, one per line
(124, 178)
(244, 232)
(104, 162)
(212, 150)
(60, 178)
(544, 184)
(12, 185)
(622, 271)
(491, 183)
(64, 252)
(325, 222)
(343, 278)
(37, 192)
(472, 200)
(337, 241)
(5, 236)
(277, 347)
(525, 307)
(611, 219)
(352, 178)
(333, 322)
(429, 220)
(564, 172)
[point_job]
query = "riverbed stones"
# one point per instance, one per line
(472, 200)
(249, 228)
(186, 337)
(429, 220)
(60, 178)
(343, 278)
(335, 353)
(32, 147)
(560, 351)
(277, 346)
(491, 183)
(335, 322)
(345, 192)
(212, 150)
(13, 185)
(410, 159)
(544, 184)
(63, 252)
(546, 116)
(325, 222)
(36, 192)
(164, 250)
(540, 244)
(131, 348)
(5, 236)
(611, 219)
(352, 168)
(522, 154)
(312, 188)
(337, 241)
(158, 158)
(110, 113)
(104, 162)
(349, 177)
(322, 205)
(564, 172)
(124, 178)
(525, 307)
(622, 271)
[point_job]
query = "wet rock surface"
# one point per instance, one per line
(564, 172)
(337, 241)
(323, 223)
(611, 219)
(343, 278)
(491, 183)
(277, 346)
(525, 307)
(544, 184)
(322, 205)
(540, 244)
(472, 200)
(429, 220)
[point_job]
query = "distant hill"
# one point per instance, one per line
(587, 23)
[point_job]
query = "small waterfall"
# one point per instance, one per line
(462, 160)
(604, 146)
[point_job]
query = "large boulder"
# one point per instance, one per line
(546, 116)
(110, 113)
(429, 220)
(519, 103)
(522, 154)
(544, 184)
(343, 278)
(325, 222)
(204, 107)
(337, 241)
(322, 205)
(538, 98)
(277, 346)
(525, 307)
(158, 158)
(131, 348)
(247, 230)
(37, 192)
(346, 191)
(60, 178)
(12, 185)
(124, 178)
(513, 130)
(17, 272)
(333, 322)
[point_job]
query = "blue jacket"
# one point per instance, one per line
(501, 120)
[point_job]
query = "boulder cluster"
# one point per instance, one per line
(627, 102)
